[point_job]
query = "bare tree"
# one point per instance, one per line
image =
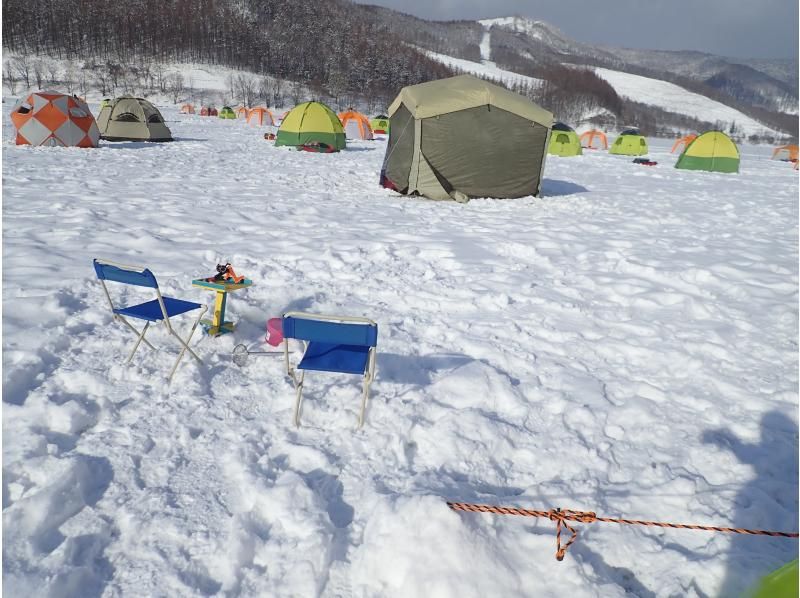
(38, 73)
(52, 72)
(23, 66)
(176, 86)
(10, 79)
(265, 90)
(296, 91)
(247, 86)
(69, 78)
(83, 83)
(277, 93)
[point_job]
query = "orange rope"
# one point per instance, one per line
(561, 517)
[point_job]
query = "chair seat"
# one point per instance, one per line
(331, 357)
(151, 310)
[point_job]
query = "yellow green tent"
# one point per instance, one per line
(380, 124)
(227, 112)
(629, 143)
(713, 151)
(310, 123)
(564, 141)
(781, 583)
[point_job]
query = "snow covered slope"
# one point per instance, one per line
(677, 99)
(626, 344)
(485, 68)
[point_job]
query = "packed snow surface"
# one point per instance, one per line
(626, 344)
(485, 68)
(674, 98)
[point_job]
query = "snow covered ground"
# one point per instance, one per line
(677, 99)
(626, 344)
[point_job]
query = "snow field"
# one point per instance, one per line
(626, 344)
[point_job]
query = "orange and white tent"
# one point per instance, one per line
(187, 109)
(54, 119)
(260, 117)
(242, 112)
(356, 125)
(589, 137)
(683, 142)
(785, 153)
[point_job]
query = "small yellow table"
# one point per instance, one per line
(218, 325)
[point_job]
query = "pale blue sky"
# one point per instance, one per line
(737, 28)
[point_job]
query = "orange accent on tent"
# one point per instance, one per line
(54, 119)
(589, 137)
(187, 109)
(260, 117)
(785, 152)
(242, 112)
(208, 111)
(683, 141)
(355, 125)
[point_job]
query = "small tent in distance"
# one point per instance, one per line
(242, 112)
(227, 112)
(187, 109)
(380, 124)
(355, 125)
(564, 141)
(132, 119)
(51, 118)
(260, 117)
(463, 137)
(629, 143)
(712, 151)
(312, 124)
(208, 111)
(785, 153)
(589, 138)
(683, 142)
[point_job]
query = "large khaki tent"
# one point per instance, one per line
(132, 119)
(463, 137)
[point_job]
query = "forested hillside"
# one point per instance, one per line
(332, 46)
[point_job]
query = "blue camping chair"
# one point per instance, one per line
(332, 344)
(160, 309)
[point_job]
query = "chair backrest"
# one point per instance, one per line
(125, 274)
(307, 328)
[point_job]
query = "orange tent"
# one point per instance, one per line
(787, 153)
(356, 125)
(683, 141)
(242, 112)
(187, 109)
(589, 137)
(53, 119)
(260, 117)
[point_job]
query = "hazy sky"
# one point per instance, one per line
(738, 28)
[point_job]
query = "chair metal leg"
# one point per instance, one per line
(185, 344)
(298, 386)
(133, 329)
(139, 341)
(367, 382)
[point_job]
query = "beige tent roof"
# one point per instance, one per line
(464, 92)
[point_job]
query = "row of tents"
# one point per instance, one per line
(356, 124)
(457, 138)
(712, 151)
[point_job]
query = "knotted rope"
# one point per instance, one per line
(562, 517)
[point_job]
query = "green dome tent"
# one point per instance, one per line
(227, 112)
(311, 123)
(712, 151)
(564, 141)
(132, 119)
(629, 143)
(380, 124)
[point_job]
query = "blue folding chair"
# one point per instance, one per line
(332, 344)
(160, 309)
